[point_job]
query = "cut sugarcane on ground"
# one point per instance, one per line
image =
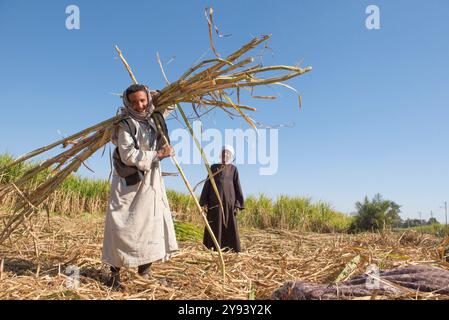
(35, 263)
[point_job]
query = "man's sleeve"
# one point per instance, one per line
(134, 157)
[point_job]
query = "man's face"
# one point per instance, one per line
(138, 100)
(225, 156)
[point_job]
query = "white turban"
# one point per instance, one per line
(230, 151)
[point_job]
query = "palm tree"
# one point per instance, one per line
(375, 214)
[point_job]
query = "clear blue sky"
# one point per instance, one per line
(375, 107)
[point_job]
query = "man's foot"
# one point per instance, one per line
(144, 271)
(115, 284)
(114, 281)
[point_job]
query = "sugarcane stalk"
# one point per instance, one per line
(245, 48)
(251, 44)
(208, 178)
(235, 66)
(240, 111)
(209, 172)
(221, 104)
(75, 136)
(201, 64)
(27, 207)
(198, 206)
(61, 158)
(126, 64)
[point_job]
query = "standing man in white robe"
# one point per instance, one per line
(139, 226)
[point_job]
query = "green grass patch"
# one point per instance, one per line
(186, 231)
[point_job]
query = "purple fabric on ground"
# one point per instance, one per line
(415, 278)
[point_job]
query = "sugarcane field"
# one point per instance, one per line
(240, 153)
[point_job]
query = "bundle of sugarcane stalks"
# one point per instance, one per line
(207, 85)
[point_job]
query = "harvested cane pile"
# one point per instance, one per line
(205, 86)
(36, 267)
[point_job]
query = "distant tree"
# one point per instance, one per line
(410, 223)
(375, 214)
(398, 223)
(432, 221)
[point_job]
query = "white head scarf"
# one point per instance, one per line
(128, 111)
(139, 116)
(229, 154)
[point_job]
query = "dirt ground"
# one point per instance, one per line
(36, 262)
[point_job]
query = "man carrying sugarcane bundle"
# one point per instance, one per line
(139, 226)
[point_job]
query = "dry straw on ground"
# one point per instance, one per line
(34, 263)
